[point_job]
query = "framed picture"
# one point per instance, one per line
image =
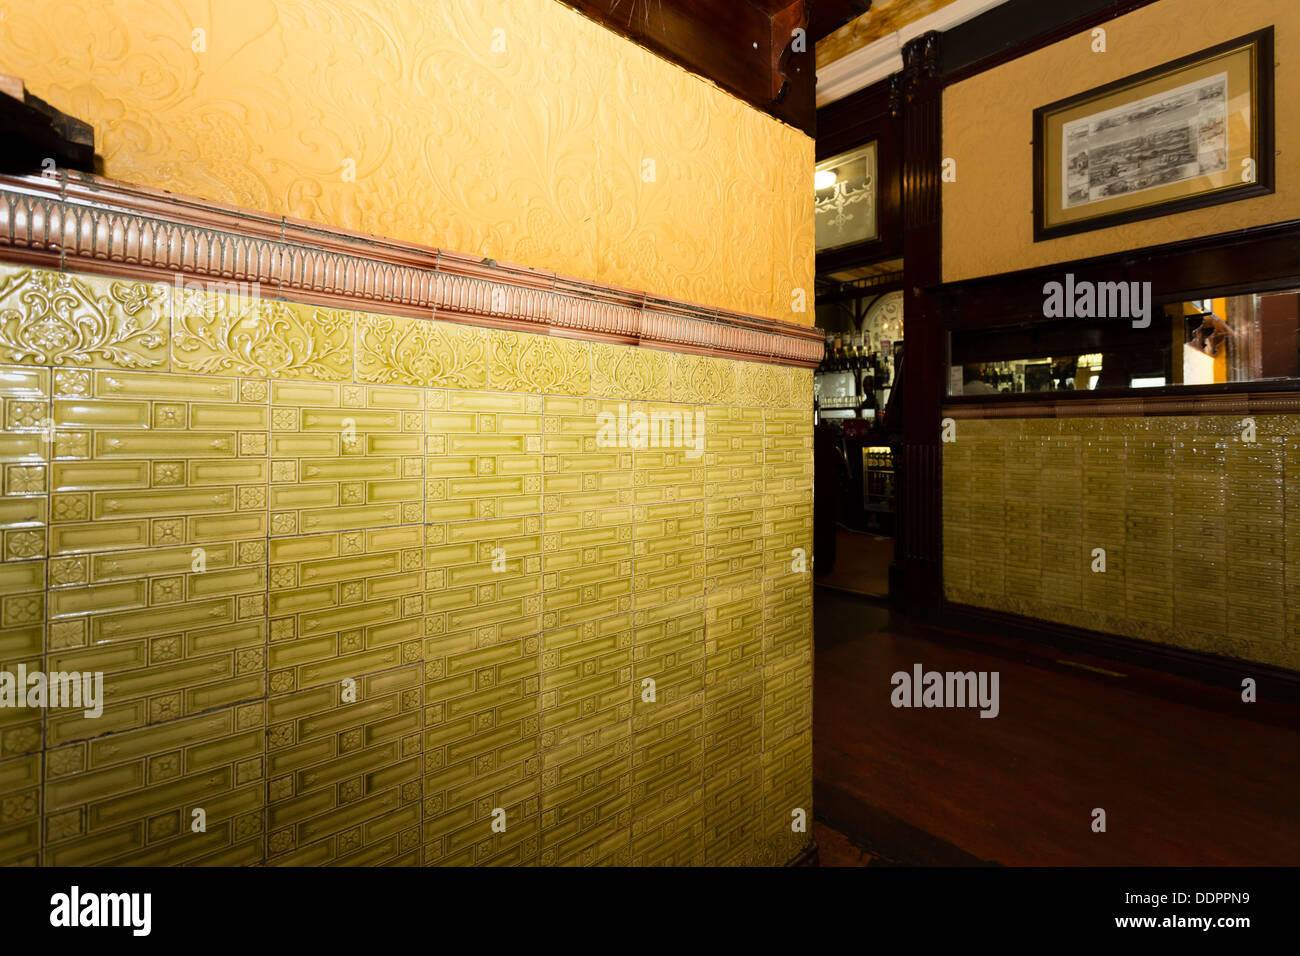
(1186, 134)
(846, 205)
(858, 186)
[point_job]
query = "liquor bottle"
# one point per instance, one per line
(857, 371)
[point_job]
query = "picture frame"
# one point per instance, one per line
(1189, 133)
(847, 205)
(869, 114)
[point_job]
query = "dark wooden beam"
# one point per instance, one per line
(747, 47)
(916, 576)
(36, 134)
(829, 15)
(1261, 258)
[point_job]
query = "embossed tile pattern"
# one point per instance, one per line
(377, 590)
(1028, 502)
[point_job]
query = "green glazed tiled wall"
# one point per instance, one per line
(232, 506)
(1201, 530)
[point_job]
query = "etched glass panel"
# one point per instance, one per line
(846, 198)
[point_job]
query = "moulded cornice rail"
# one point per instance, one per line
(89, 224)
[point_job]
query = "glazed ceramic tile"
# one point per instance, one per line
(59, 318)
(668, 734)
(481, 743)
(733, 725)
(619, 371)
(734, 499)
(587, 517)
(344, 605)
(787, 792)
(25, 450)
(586, 711)
(174, 632)
(1030, 505)
(705, 380)
(343, 765)
(545, 364)
(761, 384)
(217, 333)
(139, 462)
(668, 553)
(20, 811)
(397, 350)
(352, 613)
(183, 792)
(344, 457)
(24, 516)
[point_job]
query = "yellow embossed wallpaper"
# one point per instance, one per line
(988, 129)
(357, 582)
(514, 129)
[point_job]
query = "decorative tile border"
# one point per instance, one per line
(51, 318)
(60, 319)
(86, 224)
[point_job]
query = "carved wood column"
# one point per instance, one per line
(916, 576)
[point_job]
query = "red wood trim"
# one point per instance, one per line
(88, 224)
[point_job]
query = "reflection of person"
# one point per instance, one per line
(1211, 333)
(1064, 370)
(973, 383)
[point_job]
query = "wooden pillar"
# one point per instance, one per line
(916, 582)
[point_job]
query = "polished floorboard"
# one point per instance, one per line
(1186, 773)
(838, 849)
(861, 563)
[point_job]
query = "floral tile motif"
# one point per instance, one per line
(702, 380)
(57, 318)
(219, 334)
(539, 363)
(760, 385)
(801, 388)
(620, 371)
(22, 544)
(405, 351)
(351, 514)
(72, 382)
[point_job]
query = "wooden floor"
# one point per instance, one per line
(837, 849)
(1185, 778)
(861, 563)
